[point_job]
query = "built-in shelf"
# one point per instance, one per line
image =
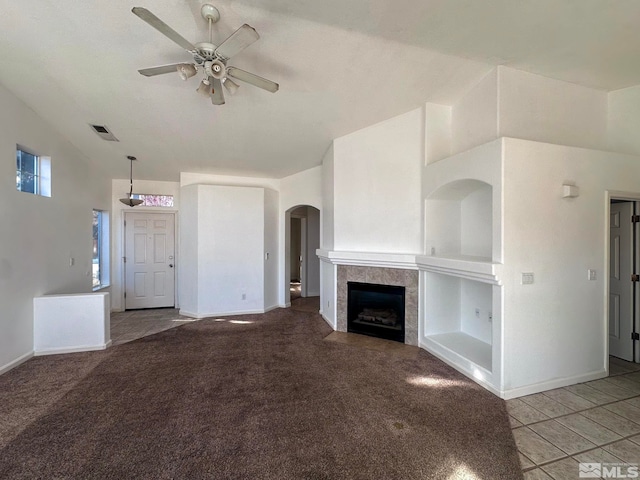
(472, 349)
(465, 266)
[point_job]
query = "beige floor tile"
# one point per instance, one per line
(565, 439)
(570, 400)
(566, 469)
(599, 455)
(625, 450)
(514, 423)
(523, 412)
(625, 410)
(591, 394)
(525, 462)
(546, 405)
(537, 474)
(635, 439)
(589, 429)
(635, 401)
(612, 421)
(610, 389)
(623, 381)
(536, 448)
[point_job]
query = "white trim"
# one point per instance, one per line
(272, 307)
(87, 348)
(405, 261)
(14, 363)
(328, 321)
(464, 267)
(551, 384)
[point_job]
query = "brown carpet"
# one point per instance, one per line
(251, 397)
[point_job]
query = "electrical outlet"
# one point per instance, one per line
(527, 278)
(244, 296)
(72, 261)
(591, 274)
(477, 313)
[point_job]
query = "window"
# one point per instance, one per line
(33, 173)
(100, 261)
(152, 200)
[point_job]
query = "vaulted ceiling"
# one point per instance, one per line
(341, 65)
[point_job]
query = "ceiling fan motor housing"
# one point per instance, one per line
(216, 69)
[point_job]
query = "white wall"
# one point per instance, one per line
(303, 188)
(476, 223)
(120, 189)
(560, 320)
(230, 240)
(313, 243)
(474, 119)
(538, 108)
(377, 182)
(188, 250)
(271, 260)
(327, 194)
(513, 103)
(624, 120)
(437, 132)
(476, 295)
(39, 235)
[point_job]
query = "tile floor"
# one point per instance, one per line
(594, 422)
(133, 324)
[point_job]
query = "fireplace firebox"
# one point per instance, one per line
(376, 310)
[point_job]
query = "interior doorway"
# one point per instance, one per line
(302, 266)
(623, 278)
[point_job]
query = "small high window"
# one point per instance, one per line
(153, 200)
(100, 261)
(33, 173)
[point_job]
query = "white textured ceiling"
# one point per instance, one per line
(341, 65)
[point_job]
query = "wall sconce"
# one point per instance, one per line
(570, 191)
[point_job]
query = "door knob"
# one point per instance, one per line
(171, 265)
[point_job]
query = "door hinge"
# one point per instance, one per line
(635, 277)
(635, 218)
(124, 259)
(635, 336)
(125, 294)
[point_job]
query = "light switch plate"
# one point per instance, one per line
(591, 274)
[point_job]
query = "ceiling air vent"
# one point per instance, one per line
(104, 133)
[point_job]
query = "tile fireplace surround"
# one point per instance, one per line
(380, 276)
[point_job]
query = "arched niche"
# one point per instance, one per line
(459, 220)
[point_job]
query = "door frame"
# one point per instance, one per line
(123, 251)
(630, 197)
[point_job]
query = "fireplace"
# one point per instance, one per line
(376, 310)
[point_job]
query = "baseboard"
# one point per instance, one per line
(273, 307)
(58, 351)
(18, 361)
(219, 314)
(327, 320)
(551, 384)
(286, 305)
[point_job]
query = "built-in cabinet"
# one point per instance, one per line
(460, 273)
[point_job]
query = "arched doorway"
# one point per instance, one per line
(302, 266)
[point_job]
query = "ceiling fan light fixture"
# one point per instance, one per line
(205, 88)
(231, 86)
(186, 70)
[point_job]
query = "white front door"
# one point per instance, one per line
(620, 283)
(149, 260)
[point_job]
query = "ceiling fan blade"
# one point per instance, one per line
(217, 97)
(150, 72)
(237, 41)
(254, 80)
(163, 28)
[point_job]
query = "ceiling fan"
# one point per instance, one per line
(209, 59)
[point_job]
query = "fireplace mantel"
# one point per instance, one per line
(406, 261)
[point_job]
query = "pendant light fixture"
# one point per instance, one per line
(132, 202)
